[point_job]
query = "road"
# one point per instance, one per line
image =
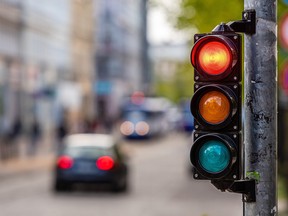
(160, 186)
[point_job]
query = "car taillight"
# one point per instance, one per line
(65, 162)
(105, 163)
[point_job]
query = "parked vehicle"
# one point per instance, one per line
(90, 158)
(146, 119)
(187, 118)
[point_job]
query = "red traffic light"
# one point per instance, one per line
(216, 105)
(214, 56)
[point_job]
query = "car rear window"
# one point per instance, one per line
(87, 151)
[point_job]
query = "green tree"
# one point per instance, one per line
(181, 86)
(192, 16)
(205, 15)
(202, 16)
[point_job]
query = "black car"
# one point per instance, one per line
(90, 158)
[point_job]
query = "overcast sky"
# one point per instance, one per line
(159, 29)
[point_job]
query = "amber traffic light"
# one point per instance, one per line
(214, 107)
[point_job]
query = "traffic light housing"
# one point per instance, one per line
(216, 153)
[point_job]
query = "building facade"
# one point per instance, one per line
(121, 52)
(46, 57)
(10, 63)
(45, 49)
(82, 43)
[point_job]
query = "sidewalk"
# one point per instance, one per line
(25, 163)
(18, 166)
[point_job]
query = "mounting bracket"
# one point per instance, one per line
(245, 187)
(248, 23)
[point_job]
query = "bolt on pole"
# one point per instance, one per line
(260, 106)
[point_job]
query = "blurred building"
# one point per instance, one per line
(171, 75)
(10, 59)
(46, 54)
(59, 56)
(121, 53)
(82, 44)
(165, 58)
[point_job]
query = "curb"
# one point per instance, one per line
(14, 167)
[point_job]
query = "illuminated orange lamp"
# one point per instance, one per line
(214, 107)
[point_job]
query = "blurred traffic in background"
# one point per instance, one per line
(113, 67)
(69, 67)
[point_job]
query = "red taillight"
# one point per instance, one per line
(65, 162)
(105, 163)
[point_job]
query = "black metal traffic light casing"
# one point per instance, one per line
(223, 80)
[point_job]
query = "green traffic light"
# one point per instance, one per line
(214, 156)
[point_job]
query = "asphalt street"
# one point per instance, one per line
(160, 185)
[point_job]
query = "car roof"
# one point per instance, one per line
(89, 140)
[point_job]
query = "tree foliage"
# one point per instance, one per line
(192, 15)
(205, 15)
(181, 86)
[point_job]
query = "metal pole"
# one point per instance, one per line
(260, 105)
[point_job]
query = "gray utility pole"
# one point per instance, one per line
(260, 126)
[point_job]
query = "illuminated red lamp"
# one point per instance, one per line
(65, 162)
(105, 163)
(214, 56)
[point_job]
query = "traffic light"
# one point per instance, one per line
(216, 105)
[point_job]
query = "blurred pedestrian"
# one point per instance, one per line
(34, 136)
(16, 128)
(8, 142)
(61, 132)
(14, 135)
(5, 140)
